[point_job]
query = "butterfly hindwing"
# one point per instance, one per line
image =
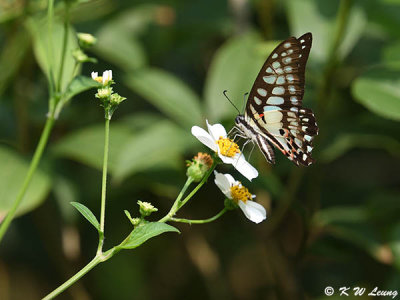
(275, 101)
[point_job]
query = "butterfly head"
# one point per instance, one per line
(239, 120)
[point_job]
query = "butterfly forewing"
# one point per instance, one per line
(275, 101)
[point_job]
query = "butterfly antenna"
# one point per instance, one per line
(244, 101)
(226, 96)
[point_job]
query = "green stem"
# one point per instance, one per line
(178, 202)
(200, 221)
(94, 262)
(64, 48)
(50, 13)
(104, 185)
(174, 207)
(32, 168)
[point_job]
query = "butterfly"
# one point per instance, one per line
(274, 114)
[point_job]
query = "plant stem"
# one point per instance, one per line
(50, 13)
(94, 262)
(200, 221)
(32, 168)
(174, 207)
(64, 48)
(178, 203)
(104, 185)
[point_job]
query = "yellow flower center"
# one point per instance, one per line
(227, 147)
(239, 192)
(99, 79)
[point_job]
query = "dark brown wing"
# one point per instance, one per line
(275, 100)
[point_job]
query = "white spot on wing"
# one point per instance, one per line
(275, 100)
(286, 45)
(294, 99)
(307, 137)
(290, 51)
(278, 90)
(269, 79)
(292, 89)
(269, 70)
(288, 69)
(275, 55)
(271, 108)
(287, 60)
(262, 92)
(273, 116)
(257, 100)
(280, 80)
(276, 64)
(309, 148)
(290, 78)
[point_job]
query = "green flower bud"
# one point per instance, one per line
(135, 221)
(81, 56)
(104, 93)
(146, 208)
(199, 166)
(116, 99)
(86, 40)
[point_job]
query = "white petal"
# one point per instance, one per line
(245, 168)
(95, 75)
(226, 159)
(216, 131)
(204, 137)
(231, 180)
(222, 181)
(253, 211)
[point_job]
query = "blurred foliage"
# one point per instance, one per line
(334, 223)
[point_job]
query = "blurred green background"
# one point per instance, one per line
(335, 223)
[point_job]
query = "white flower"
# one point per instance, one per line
(107, 76)
(216, 139)
(235, 191)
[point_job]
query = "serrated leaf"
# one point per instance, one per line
(379, 91)
(141, 234)
(12, 174)
(234, 68)
(169, 94)
(86, 212)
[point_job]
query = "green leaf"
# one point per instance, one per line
(379, 91)
(321, 21)
(142, 233)
(12, 174)
(234, 68)
(87, 214)
(38, 29)
(169, 94)
(87, 145)
(160, 144)
(80, 84)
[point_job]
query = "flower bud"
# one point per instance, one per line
(135, 221)
(81, 56)
(199, 166)
(104, 93)
(86, 40)
(146, 208)
(116, 99)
